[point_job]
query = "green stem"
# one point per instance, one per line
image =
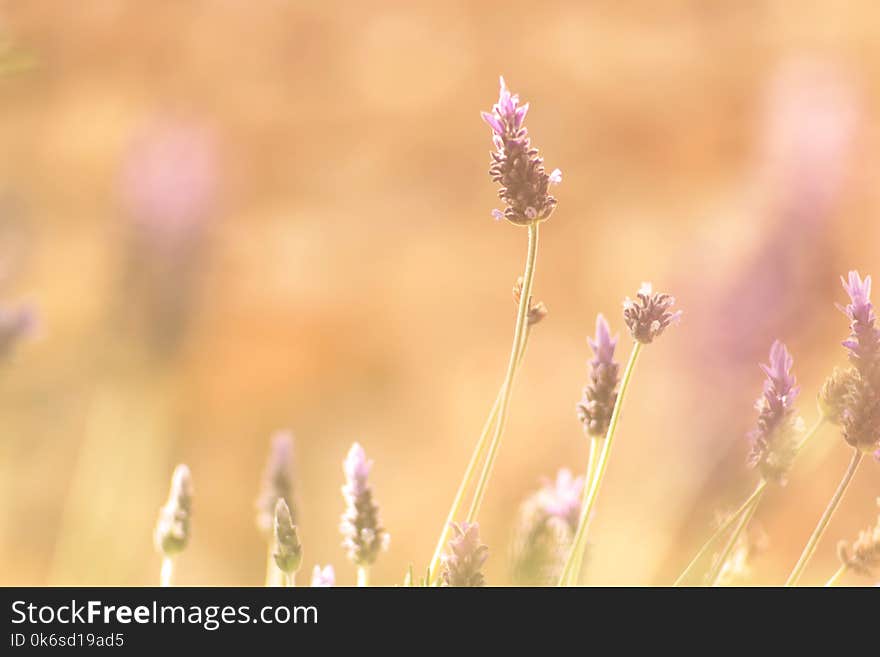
(434, 567)
(723, 527)
(715, 573)
(835, 578)
(363, 576)
(580, 540)
(166, 572)
(519, 330)
(742, 509)
(591, 467)
(816, 536)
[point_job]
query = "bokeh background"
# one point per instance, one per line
(235, 217)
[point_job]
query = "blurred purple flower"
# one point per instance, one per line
(599, 396)
(170, 181)
(516, 165)
(15, 324)
(323, 577)
(561, 498)
(363, 535)
(774, 439)
(546, 523)
(277, 481)
(462, 565)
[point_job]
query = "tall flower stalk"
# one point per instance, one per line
(774, 445)
(861, 408)
(525, 190)
(646, 318)
(774, 442)
(596, 406)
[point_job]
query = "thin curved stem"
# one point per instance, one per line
(723, 527)
(479, 449)
(809, 435)
(717, 568)
(835, 578)
(521, 324)
(363, 576)
(742, 509)
(816, 536)
(167, 571)
(580, 540)
(575, 576)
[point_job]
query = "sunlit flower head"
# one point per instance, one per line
(516, 165)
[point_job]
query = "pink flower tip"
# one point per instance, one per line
(859, 290)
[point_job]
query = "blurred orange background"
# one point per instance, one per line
(238, 217)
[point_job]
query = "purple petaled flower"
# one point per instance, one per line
(774, 438)
(277, 483)
(15, 324)
(546, 523)
(595, 407)
(516, 165)
(323, 577)
(462, 565)
(363, 535)
(864, 341)
(861, 413)
(649, 315)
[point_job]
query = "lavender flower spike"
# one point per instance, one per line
(173, 527)
(516, 165)
(774, 439)
(546, 524)
(864, 341)
(462, 566)
(650, 314)
(323, 577)
(861, 415)
(363, 535)
(595, 408)
(277, 482)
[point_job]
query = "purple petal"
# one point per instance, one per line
(493, 122)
